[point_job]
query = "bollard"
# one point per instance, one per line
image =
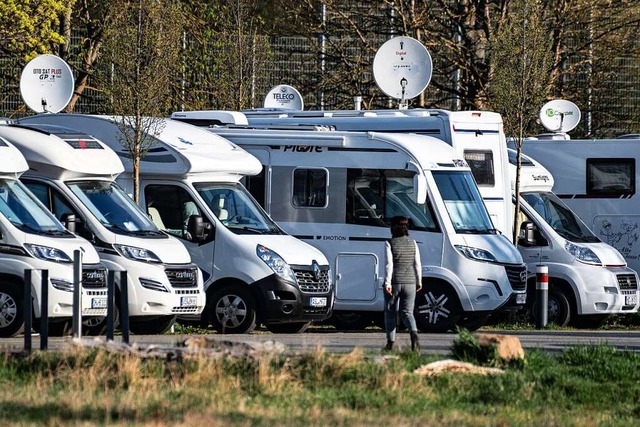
(542, 295)
(28, 310)
(44, 310)
(111, 298)
(124, 307)
(77, 297)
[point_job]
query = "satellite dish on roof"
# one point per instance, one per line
(46, 84)
(284, 96)
(402, 68)
(559, 115)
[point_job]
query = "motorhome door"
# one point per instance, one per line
(356, 276)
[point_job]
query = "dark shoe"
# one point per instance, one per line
(390, 346)
(415, 342)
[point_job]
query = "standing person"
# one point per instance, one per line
(402, 280)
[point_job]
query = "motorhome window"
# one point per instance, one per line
(51, 199)
(463, 202)
(611, 177)
(24, 211)
(558, 215)
(256, 186)
(310, 188)
(169, 207)
(113, 208)
(481, 164)
(524, 160)
(375, 196)
(236, 209)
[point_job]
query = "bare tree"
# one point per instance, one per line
(142, 44)
(521, 61)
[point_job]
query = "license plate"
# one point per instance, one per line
(318, 301)
(188, 301)
(630, 299)
(98, 303)
(521, 298)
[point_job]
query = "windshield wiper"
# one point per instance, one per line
(476, 230)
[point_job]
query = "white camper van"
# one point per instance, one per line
(598, 180)
(73, 173)
(477, 135)
(588, 279)
(31, 238)
(338, 191)
(253, 271)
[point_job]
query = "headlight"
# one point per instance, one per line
(46, 253)
(476, 254)
(137, 254)
(276, 263)
(582, 254)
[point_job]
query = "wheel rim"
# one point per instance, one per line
(435, 308)
(8, 310)
(553, 310)
(231, 310)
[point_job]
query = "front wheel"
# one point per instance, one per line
(11, 310)
(558, 308)
(231, 311)
(287, 328)
(437, 308)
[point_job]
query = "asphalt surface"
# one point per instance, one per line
(343, 342)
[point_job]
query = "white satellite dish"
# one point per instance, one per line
(284, 96)
(559, 115)
(402, 68)
(46, 84)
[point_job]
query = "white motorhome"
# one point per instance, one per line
(73, 173)
(588, 279)
(253, 271)
(338, 191)
(598, 180)
(32, 239)
(477, 135)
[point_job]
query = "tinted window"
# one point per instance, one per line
(611, 177)
(481, 164)
(310, 188)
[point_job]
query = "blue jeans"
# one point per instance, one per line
(403, 299)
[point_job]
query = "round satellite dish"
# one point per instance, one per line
(559, 115)
(46, 84)
(402, 67)
(284, 96)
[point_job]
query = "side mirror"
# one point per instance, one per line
(196, 227)
(527, 235)
(69, 222)
(420, 188)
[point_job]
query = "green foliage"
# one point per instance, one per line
(467, 349)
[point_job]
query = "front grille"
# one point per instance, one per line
(182, 277)
(182, 310)
(627, 281)
(309, 284)
(94, 278)
(316, 311)
(517, 277)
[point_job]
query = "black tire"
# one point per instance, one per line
(558, 308)
(589, 321)
(287, 328)
(57, 328)
(350, 320)
(151, 326)
(231, 310)
(11, 310)
(437, 308)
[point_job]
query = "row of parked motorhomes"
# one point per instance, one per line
(279, 218)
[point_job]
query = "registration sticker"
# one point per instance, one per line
(98, 303)
(521, 298)
(318, 301)
(188, 301)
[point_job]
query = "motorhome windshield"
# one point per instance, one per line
(558, 215)
(463, 202)
(236, 209)
(113, 208)
(24, 211)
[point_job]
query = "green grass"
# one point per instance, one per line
(584, 386)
